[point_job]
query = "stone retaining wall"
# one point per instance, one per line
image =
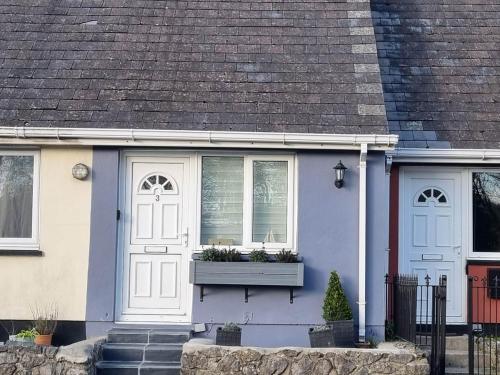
(76, 359)
(202, 359)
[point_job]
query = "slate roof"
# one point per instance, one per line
(254, 65)
(440, 65)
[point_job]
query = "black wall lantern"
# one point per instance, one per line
(339, 174)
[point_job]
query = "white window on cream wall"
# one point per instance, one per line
(19, 183)
(247, 201)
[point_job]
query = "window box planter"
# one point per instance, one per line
(247, 274)
(338, 334)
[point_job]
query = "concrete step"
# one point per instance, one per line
(123, 352)
(117, 368)
(128, 336)
(146, 335)
(160, 368)
(465, 371)
(141, 352)
(457, 343)
(137, 368)
(460, 359)
(163, 353)
(456, 371)
(167, 336)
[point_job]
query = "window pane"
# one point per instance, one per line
(486, 208)
(16, 196)
(222, 200)
(270, 200)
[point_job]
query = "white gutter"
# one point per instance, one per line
(448, 156)
(189, 138)
(362, 243)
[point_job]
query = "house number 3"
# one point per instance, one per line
(157, 197)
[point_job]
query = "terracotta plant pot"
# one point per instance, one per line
(43, 340)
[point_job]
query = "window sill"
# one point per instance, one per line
(30, 253)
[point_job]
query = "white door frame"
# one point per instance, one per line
(463, 196)
(124, 191)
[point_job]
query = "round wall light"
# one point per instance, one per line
(80, 171)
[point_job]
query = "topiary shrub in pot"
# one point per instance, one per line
(228, 335)
(339, 328)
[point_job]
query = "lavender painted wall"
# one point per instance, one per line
(102, 257)
(327, 240)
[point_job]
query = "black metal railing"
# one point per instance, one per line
(417, 313)
(483, 316)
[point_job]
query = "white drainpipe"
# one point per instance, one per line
(362, 243)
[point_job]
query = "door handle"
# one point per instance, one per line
(185, 235)
(457, 249)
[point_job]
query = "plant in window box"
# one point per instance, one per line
(230, 255)
(339, 328)
(211, 254)
(286, 256)
(258, 256)
(228, 335)
(45, 323)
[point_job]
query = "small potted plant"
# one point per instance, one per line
(26, 335)
(339, 328)
(45, 323)
(228, 335)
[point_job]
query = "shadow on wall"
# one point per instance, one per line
(67, 332)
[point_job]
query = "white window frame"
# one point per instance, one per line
(247, 244)
(473, 254)
(33, 242)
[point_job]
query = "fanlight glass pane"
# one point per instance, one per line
(222, 200)
(486, 211)
(16, 196)
(162, 180)
(155, 180)
(168, 186)
(270, 201)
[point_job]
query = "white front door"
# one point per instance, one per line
(431, 234)
(156, 256)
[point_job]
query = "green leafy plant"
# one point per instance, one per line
(258, 256)
(44, 319)
(27, 334)
(231, 327)
(230, 255)
(211, 255)
(286, 256)
(335, 305)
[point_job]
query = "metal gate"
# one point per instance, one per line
(417, 313)
(483, 316)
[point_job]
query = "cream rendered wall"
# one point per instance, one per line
(60, 275)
